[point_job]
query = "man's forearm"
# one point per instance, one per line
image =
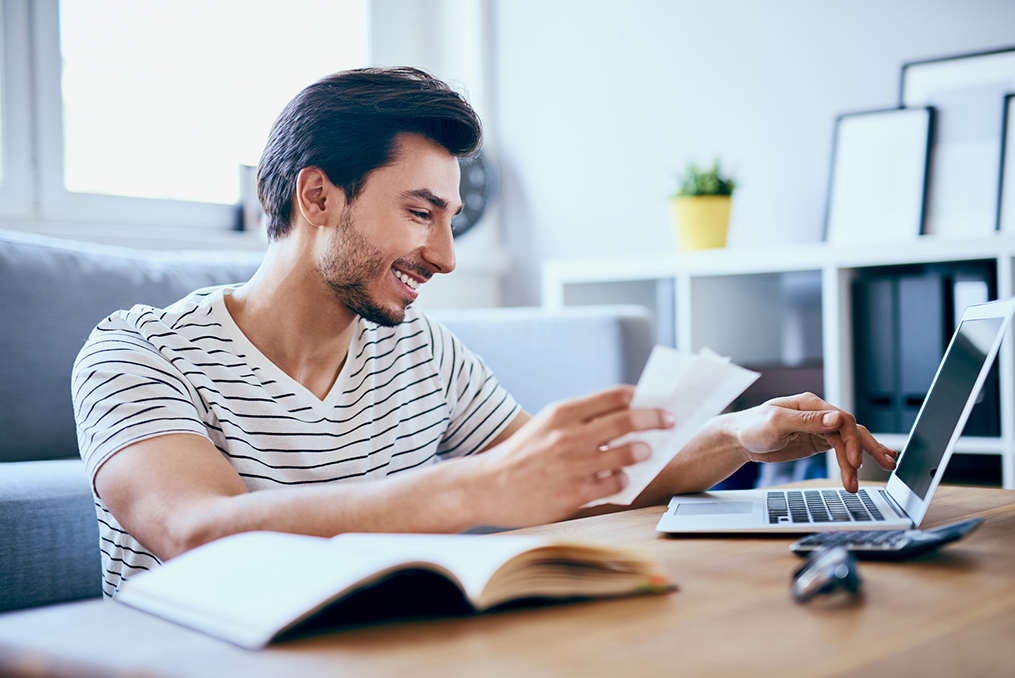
(780, 430)
(710, 457)
(175, 492)
(437, 499)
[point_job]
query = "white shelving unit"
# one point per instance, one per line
(785, 305)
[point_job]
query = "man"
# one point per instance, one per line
(315, 399)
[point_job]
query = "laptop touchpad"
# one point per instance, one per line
(712, 508)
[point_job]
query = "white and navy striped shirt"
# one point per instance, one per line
(407, 396)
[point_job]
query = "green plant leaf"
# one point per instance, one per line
(711, 181)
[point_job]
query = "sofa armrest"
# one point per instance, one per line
(49, 537)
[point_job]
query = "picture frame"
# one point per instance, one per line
(1006, 181)
(968, 94)
(878, 184)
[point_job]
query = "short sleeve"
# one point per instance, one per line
(125, 391)
(480, 408)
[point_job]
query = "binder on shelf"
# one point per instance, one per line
(922, 338)
(874, 329)
(985, 419)
(903, 317)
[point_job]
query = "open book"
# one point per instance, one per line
(255, 587)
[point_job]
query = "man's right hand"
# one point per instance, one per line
(558, 461)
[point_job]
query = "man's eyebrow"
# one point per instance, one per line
(430, 197)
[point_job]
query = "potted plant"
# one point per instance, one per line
(701, 207)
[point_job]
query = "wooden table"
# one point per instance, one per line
(950, 613)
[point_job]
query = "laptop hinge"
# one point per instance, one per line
(891, 502)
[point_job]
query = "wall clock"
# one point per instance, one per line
(477, 188)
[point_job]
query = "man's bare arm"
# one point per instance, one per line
(783, 429)
(520, 420)
(175, 492)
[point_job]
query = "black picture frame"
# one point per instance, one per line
(877, 189)
(968, 94)
(1006, 178)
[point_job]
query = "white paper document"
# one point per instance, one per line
(693, 388)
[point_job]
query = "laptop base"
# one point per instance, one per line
(749, 511)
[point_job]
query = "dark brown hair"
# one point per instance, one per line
(346, 124)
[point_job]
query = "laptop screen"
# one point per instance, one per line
(947, 398)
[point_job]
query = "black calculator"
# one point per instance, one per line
(886, 544)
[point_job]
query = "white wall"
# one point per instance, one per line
(451, 39)
(598, 103)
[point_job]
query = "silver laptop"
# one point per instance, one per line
(904, 501)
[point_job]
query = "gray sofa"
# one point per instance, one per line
(52, 293)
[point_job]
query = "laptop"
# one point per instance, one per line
(902, 503)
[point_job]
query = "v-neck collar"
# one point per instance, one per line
(255, 358)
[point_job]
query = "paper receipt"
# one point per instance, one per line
(693, 388)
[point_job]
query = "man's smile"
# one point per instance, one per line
(407, 279)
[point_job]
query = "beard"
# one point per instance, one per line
(351, 264)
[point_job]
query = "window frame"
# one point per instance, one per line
(55, 202)
(32, 192)
(16, 188)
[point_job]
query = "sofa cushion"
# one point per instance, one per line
(52, 294)
(49, 537)
(543, 356)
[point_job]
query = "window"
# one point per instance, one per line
(15, 110)
(145, 111)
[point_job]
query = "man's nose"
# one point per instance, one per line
(439, 250)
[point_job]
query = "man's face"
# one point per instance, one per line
(396, 234)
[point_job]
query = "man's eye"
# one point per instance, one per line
(420, 215)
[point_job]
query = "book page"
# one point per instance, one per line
(247, 587)
(473, 559)
(693, 388)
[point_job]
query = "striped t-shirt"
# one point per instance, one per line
(406, 396)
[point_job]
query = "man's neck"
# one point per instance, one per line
(292, 317)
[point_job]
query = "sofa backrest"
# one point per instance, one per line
(52, 294)
(543, 356)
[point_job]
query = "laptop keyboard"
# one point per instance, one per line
(821, 506)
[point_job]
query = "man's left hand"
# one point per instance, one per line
(785, 429)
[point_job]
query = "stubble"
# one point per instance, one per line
(351, 265)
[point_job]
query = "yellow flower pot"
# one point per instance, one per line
(701, 221)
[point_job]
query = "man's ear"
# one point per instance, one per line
(317, 199)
